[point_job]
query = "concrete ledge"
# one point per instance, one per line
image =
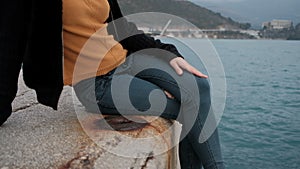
(133, 146)
(36, 137)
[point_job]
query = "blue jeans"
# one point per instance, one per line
(98, 94)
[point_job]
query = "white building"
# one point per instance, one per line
(281, 24)
(278, 24)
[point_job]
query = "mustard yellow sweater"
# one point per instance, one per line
(89, 50)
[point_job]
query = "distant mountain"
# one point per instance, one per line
(201, 17)
(255, 11)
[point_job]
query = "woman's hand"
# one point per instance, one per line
(179, 64)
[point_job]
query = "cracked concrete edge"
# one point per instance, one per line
(24, 107)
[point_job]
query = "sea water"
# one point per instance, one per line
(260, 126)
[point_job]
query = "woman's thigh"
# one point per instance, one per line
(136, 87)
(128, 95)
(157, 70)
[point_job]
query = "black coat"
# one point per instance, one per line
(32, 30)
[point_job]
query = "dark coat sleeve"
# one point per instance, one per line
(130, 37)
(42, 64)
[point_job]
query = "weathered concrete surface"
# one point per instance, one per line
(146, 147)
(38, 137)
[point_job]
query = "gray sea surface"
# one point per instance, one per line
(260, 127)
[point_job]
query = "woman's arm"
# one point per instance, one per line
(129, 36)
(134, 40)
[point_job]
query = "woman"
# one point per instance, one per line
(123, 58)
(36, 21)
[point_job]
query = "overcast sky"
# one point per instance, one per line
(255, 11)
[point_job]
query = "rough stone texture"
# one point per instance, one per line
(38, 137)
(140, 148)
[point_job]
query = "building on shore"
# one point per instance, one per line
(277, 29)
(278, 25)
